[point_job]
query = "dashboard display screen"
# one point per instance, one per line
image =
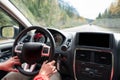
(94, 39)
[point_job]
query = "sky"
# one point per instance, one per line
(90, 8)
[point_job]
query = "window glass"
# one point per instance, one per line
(6, 24)
(95, 15)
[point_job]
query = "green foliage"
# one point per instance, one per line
(111, 17)
(113, 11)
(5, 20)
(49, 13)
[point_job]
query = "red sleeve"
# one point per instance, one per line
(41, 77)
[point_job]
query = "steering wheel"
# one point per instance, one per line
(32, 54)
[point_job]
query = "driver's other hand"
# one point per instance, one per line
(48, 69)
(9, 64)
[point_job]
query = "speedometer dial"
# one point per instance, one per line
(38, 37)
(58, 39)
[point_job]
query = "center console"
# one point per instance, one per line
(93, 65)
(93, 57)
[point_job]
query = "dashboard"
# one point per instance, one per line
(82, 55)
(90, 55)
(87, 55)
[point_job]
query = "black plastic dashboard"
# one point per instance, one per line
(86, 55)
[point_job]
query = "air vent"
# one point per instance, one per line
(83, 55)
(103, 58)
(6, 50)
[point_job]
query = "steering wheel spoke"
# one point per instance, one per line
(45, 51)
(28, 68)
(18, 48)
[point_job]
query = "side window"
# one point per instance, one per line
(8, 26)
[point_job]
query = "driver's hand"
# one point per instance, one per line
(9, 64)
(48, 69)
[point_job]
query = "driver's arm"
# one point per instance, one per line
(9, 64)
(46, 71)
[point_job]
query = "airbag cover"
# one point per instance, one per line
(31, 52)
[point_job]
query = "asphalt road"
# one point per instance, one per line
(88, 28)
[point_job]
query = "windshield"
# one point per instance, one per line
(65, 14)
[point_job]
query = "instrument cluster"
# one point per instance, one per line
(42, 38)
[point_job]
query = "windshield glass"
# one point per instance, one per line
(65, 14)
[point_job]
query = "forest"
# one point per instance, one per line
(111, 17)
(112, 12)
(50, 13)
